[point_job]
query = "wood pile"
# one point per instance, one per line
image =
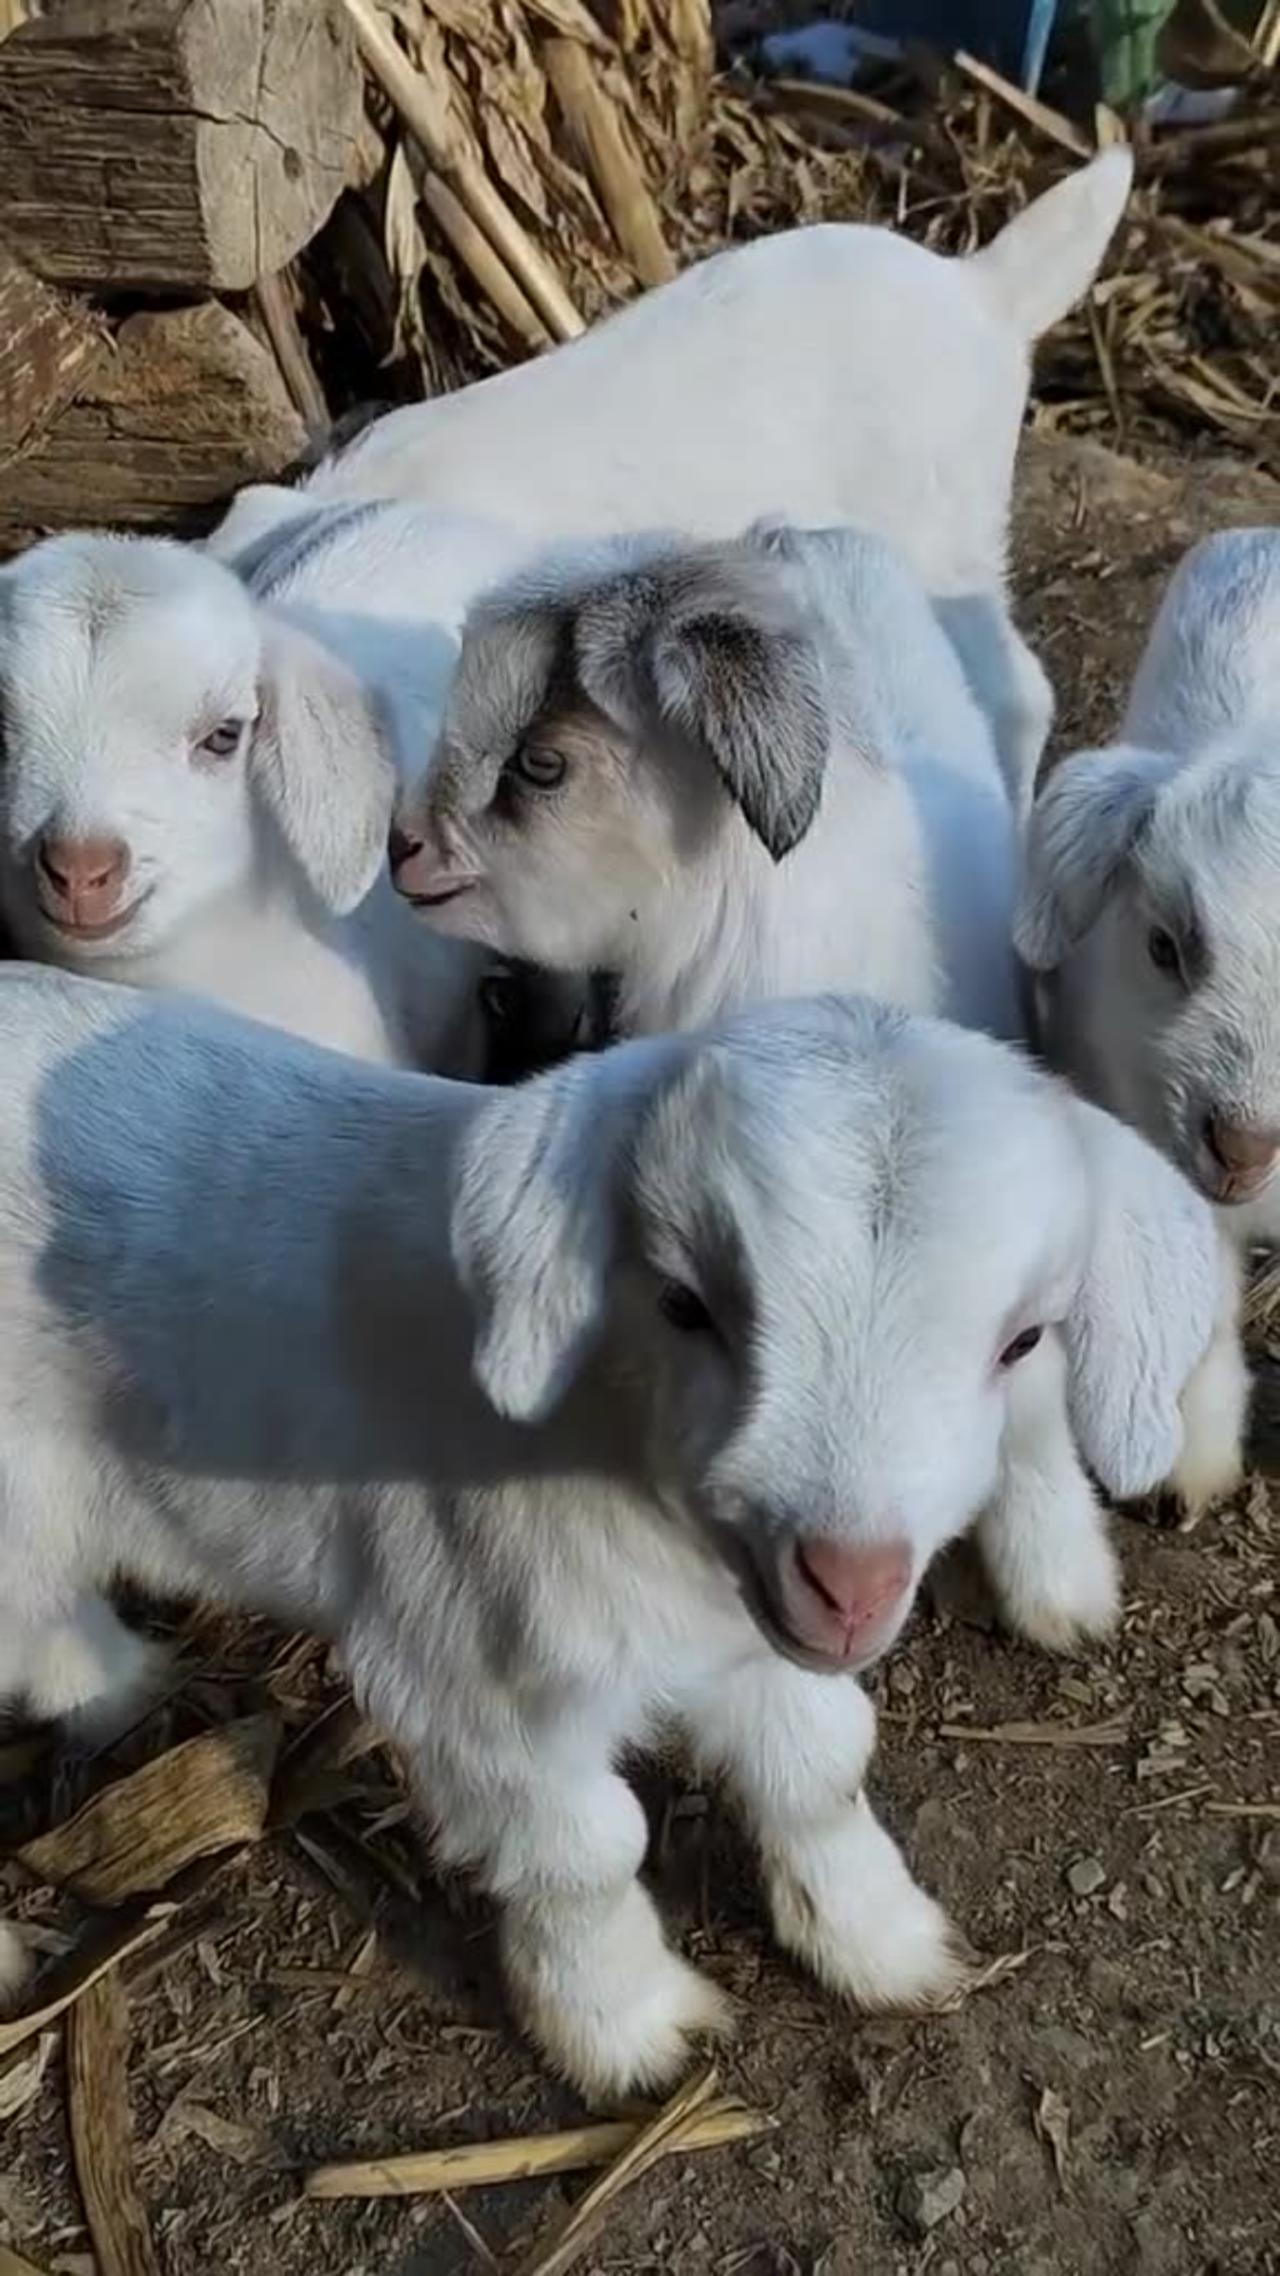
(224, 223)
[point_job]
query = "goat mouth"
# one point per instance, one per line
(438, 900)
(760, 1596)
(107, 929)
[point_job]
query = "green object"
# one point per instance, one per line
(1125, 34)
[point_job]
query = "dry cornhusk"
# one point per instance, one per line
(614, 154)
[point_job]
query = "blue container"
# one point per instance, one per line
(1011, 34)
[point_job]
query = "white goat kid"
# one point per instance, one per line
(795, 376)
(179, 745)
(735, 772)
(1149, 908)
(720, 773)
(644, 1392)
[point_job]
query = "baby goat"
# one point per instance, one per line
(1150, 913)
(799, 375)
(737, 772)
(180, 742)
(644, 1392)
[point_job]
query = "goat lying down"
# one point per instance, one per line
(730, 773)
(175, 805)
(643, 1392)
(1148, 914)
(797, 376)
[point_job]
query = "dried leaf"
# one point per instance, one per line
(406, 252)
(1053, 2125)
(226, 2137)
(209, 1794)
(21, 2081)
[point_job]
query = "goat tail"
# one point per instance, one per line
(1046, 258)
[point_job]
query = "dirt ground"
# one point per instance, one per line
(1142, 2029)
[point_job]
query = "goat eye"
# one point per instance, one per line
(221, 741)
(684, 1308)
(541, 768)
(1020, 1346)
(1162, 948)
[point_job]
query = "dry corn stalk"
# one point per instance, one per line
(423, 100)
(526, 2157)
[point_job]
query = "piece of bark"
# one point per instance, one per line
(175, 145)
(102, 2132)
(187, 409)
(47, 344)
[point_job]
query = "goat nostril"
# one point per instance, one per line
(401, 845)
(83, 865)
(48, 861)
(1241, 1149)
(857, 1584)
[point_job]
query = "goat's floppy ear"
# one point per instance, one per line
(534, 1223)
(709, 647)
(323, 767)
(1080, 832)
(1146, 1308)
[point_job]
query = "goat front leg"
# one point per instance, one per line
(1215, 1401)
(558, 1839)
(795, 1748)
(1043, 1537)
(81, 1668)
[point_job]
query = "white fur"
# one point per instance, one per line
(643, 863)
(900, 886)
(258, 876)
(801, 375)
(395, 1359)
(1176, 827)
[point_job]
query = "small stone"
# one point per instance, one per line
(1086, 1876)
(1269, 1858)
(924, 2199)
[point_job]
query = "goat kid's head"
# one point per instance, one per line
(164, 741)
(810, 1253)
(1159, 878)
(609, 716)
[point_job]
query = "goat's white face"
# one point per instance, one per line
(816, 1247)
(167, 741)
(545, 852)
(1163, 886)
(605, 725)
(129, 688)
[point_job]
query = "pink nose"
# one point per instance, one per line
(840, 1594)
(83, 865)
(1244, 1151)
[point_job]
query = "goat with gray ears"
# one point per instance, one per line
(198, 763)
(796, 376)
(1149, 910)
(738, 772)
(642, 1393)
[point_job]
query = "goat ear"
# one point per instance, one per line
(323, 767)
(1080, 832)
(710, 648)
(534, 1227)
(1146, 1309)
